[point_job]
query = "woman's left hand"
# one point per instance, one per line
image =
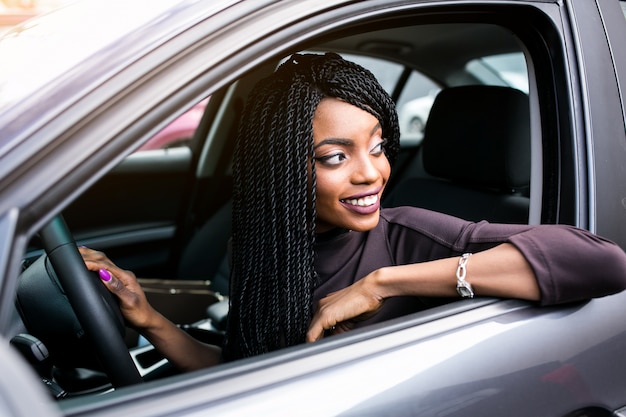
(338, 311)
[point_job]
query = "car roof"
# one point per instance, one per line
(87, 32)
(61, 40)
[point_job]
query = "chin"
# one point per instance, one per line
(364, 226)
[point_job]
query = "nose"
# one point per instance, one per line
(366, 170)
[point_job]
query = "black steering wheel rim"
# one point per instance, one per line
(91, 306)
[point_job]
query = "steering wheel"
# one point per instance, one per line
(95, 307)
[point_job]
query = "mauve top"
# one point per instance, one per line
(570, 264)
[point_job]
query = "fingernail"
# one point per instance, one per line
(104, 275)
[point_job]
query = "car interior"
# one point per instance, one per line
(476, 148)
(167, 212)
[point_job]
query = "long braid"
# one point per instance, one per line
(274, 197)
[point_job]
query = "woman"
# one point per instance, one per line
(313, 253)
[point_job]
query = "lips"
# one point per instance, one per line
(362, 204)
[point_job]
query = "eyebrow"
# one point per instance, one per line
(343, 141)
(335, 141)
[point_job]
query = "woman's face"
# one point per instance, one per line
(351, 168)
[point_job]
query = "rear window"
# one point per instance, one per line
(505, 69)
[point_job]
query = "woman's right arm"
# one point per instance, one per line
(182, 350)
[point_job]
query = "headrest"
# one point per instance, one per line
(479, 135)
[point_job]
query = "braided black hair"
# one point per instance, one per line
(274, 197)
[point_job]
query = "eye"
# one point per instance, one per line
(379, 148)
(331, 160)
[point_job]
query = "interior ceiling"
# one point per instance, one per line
(427, 47)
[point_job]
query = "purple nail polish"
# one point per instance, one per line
(104, 275)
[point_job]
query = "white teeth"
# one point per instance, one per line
(363, 202)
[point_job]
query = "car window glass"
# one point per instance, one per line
(414, 101)
(414, 106)
(387, 73)
(623, 4)
(505, 69)
(179, 132)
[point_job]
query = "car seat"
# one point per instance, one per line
(476, 154)
(206, 254)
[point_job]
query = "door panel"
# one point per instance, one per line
(131, 213)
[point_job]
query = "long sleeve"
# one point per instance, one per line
(569, 263)
(572, 264)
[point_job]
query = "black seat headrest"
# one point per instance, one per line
(480, 136)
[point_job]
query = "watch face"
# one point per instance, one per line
(464, 289)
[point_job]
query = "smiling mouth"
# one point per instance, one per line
(367, 201)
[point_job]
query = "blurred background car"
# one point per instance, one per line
(179, 132)
(413, 115)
